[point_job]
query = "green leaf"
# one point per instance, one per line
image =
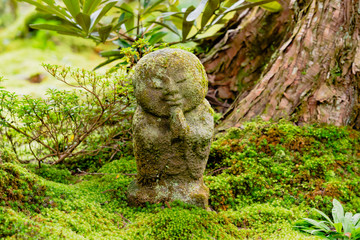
(49, 9)
(210, 8)
(96, 16)
(122, 43)
(84, 21)
(355, 234)
(168, 26)
(152, 7)
(320, 225)
(106, 63)
(337, 211)
(356, 218)
(50, 2)
(315, 232)
(234, 6)
(271, 7)
(347, 222)
(90, 6)
(196, 13)
(250, 5)
(324, 215)
(338, 227)
(229, 3)
(186, 27)
(146, 3)
(111, 53)
(156, 37)
(104, 32)
(129, 15)
(57, 28)
(73, 6)
(120, 21)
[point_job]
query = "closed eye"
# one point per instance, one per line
(182, 80)
(157, 83)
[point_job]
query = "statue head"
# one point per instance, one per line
(168, 79)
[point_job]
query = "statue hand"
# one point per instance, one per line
(178, 125)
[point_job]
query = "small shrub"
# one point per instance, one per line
(92, 120)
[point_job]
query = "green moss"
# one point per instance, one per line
(267, 162)
(183, 222)
(262, 178)
(58, 174)
(20, 190)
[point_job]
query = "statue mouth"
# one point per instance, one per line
(172, 101)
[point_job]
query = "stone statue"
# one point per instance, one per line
(172, 129)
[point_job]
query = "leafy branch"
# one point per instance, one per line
(60, 126)
(156, 21)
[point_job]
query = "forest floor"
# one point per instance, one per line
(262, 179)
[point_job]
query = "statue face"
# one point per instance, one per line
(169, 80)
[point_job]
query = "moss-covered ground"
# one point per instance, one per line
(262, 178)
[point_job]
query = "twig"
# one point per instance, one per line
(167, 204)
(82, 173)
(217, 170)
(122, 216)
(109, 190)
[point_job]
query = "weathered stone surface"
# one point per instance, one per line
(172, 129)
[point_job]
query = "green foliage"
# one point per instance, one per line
(267, 162)
(78, 19)
(128, 56)
(343, 226)
(157, 21)
(86, 122)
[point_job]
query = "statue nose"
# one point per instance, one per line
(171, 88)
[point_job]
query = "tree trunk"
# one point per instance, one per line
(314, 74)
(237, 59)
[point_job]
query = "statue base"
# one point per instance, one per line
(194, 192)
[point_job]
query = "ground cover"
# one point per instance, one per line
(262, 177)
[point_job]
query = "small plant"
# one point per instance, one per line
(68, 123)
(342, 227)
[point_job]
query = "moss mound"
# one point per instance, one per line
(58, 174)
(183, 222)
(20, 190)
(267, 162)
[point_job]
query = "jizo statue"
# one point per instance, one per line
(172, 129)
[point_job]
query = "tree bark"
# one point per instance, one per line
(237, 60)
(314, 74)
